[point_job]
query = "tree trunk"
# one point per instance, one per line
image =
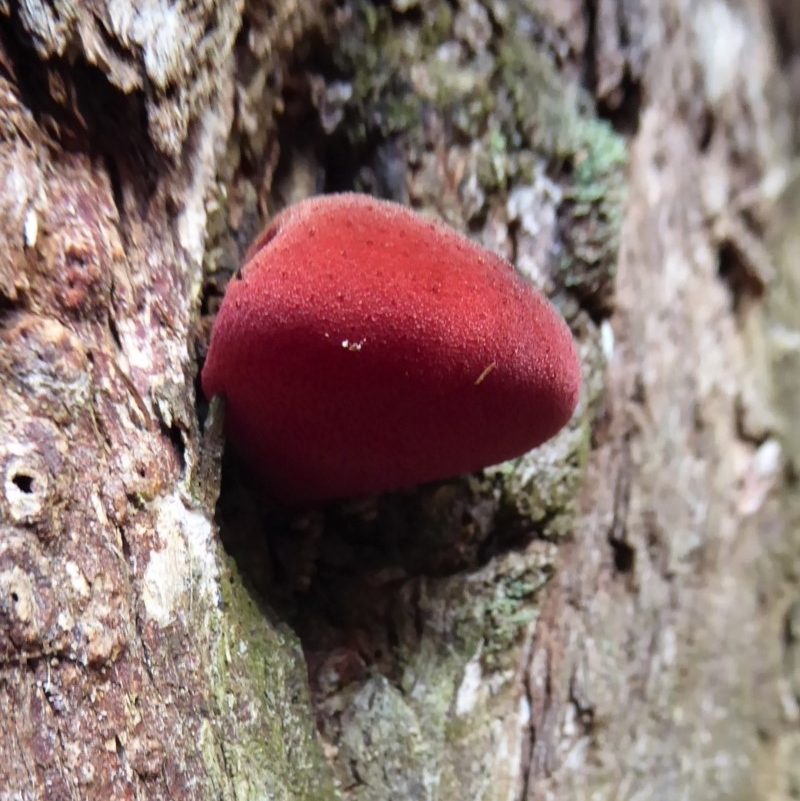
(615, 615)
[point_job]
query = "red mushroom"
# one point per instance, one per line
(364, 348)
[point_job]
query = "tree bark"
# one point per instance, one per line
(133, 663)
(614, 615)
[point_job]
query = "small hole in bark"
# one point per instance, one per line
(733, 269)
(24, 483)
(77, 258)
(706, 132)
(175, 436)
(7, 304)
(115, 335)
(624, 556)
(623, 111)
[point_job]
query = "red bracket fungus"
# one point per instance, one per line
(364, 348)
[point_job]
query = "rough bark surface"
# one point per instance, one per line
(133, 665)
(613, 616)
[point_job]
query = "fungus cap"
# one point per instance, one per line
(363, 348)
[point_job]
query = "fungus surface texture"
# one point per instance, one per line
(364, 348)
